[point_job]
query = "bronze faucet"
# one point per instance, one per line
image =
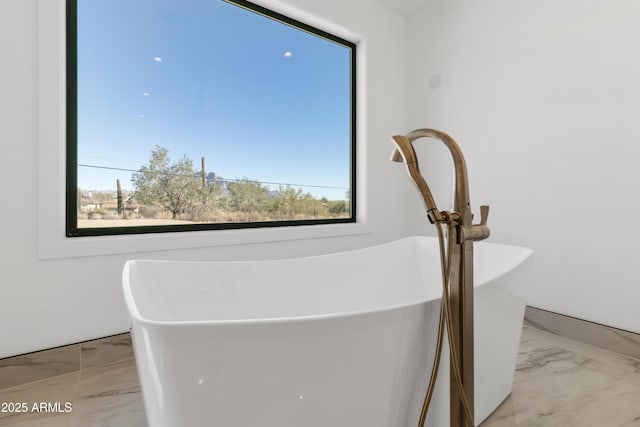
(458, 273)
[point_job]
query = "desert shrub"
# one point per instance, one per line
(151, 212)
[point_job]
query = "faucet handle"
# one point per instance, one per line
(484, 214)
(477, 231)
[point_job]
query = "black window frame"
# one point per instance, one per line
(71, 216)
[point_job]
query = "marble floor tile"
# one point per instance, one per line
(106, 350)
(38, 366)
(614, 365)
(45, 403)
(109, 396)
(565, 383)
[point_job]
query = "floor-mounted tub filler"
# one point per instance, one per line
(340, 340)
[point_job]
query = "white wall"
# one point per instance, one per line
(544, 98)
(47, 303)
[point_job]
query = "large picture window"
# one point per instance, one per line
(188, 115)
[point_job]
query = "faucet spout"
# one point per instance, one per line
(404, 145)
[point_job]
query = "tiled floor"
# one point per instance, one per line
(565, 383)
(559, 382)
(107, 395)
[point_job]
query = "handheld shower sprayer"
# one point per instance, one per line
(404, 152)
(456, 312)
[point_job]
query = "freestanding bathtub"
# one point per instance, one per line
(340, 340)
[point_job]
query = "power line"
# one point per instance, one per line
(225, 179)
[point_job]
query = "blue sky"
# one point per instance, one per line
(256, 98)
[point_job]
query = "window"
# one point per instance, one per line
(205, 114)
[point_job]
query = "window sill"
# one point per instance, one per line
(52, 247)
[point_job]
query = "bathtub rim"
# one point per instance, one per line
(274, 320)
(135, 315)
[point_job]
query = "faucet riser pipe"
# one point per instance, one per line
(461, 294)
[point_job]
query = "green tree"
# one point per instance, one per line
(171, 186)
(285, 202)
(308, 205)
(338, 207)
(247, 196)
(289, 203)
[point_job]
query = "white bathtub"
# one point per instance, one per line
(341, 340)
